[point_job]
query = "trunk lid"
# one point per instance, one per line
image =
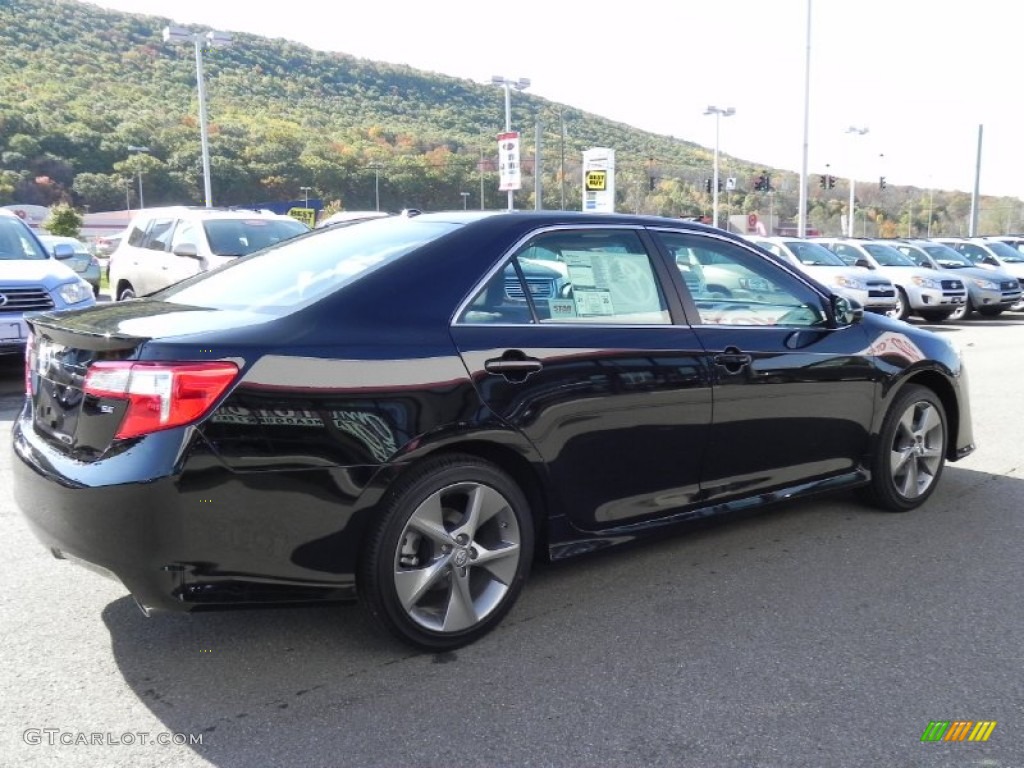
(64, 347)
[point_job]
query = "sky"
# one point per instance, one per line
(924, 77)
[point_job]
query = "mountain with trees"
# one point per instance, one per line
(80, 86)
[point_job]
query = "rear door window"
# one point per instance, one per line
(158, 235)
(582, 276)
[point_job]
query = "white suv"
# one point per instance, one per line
(165, 245)
(922, 292)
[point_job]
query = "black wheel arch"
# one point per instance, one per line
(938, 382)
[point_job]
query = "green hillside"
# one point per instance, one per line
(79, 85)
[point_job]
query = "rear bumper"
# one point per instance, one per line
(191, 536)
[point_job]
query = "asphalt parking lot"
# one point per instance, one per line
(821, 633)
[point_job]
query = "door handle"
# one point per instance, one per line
(733, 360)
(513, 365)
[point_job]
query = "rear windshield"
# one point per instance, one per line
(17, 243)
(302, 270)
(237, 237)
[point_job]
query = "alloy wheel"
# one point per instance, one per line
(916, 455)
(457, 557)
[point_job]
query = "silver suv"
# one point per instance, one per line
(165, 245)
(874, 292)
(30, 281)
(989, 291)
(922, 292)
(990, 253)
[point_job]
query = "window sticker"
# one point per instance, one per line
(590, 303)
(621, 282)
(581, 269)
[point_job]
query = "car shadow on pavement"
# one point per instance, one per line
(319, 685)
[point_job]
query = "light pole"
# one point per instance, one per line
(142, 204)
(305, 196)
(520, 85)
(375, 166)
(180, 35)
(856, 132)
(718, 113)
(465, 200)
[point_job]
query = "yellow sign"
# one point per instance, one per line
(597, 181)
(306, 215)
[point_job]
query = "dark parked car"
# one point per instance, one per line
(412, 409)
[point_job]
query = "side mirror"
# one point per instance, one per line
(862, 262)
(63, 251)
(187, 250)
(846, 311)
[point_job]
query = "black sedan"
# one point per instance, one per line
(409, 411)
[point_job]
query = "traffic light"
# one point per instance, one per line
(766, 182)
(823, 181)
(719, 185)
(831, 182)
(707, 185)
(881, 182)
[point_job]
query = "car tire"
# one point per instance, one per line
(962, 312)
(449, 555)
(990, 311)
(935, 315)
(911, 451)
(126, 293)
(902, 309)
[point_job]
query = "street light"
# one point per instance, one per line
(718, 113)
(856, 132)
(179, 35)
(375, 166)
(142, 204)
(305, 196)
(520, 85)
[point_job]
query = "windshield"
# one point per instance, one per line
(299, 271)
(814, 255)
(1007, 253)
(17, 243)
(887, 256)
(237, 237)
(947, 257)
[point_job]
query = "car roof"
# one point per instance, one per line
(200, 212)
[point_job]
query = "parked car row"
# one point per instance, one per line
(410, 410)
(936, 279)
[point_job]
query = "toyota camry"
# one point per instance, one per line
(409, 411)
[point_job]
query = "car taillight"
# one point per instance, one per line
(159, 395)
